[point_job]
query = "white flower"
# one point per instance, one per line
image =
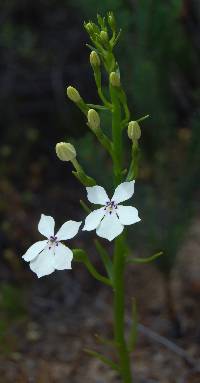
(50, 255)
(110, 219)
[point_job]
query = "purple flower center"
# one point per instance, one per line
(110, 206)
(52, 240)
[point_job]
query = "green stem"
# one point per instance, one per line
(81, 256)
(120, 247)
(97, 77)
(119, 293)
(116, 135)
(104, 140)
(102, 97)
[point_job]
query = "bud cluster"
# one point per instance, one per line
(104, 37)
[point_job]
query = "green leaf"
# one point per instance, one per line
(103, 358)
(143, 118)
(93, 48)
(117, 38)
(100, 107)
(145, 260)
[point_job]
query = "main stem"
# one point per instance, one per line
(119, 251)
(119, 297)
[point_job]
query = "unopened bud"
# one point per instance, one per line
(93, 119)
(104, 37)
(73, 94)
(111, 20)
(89, 27)
(94, 59)
(65, 151)
(134, 131)
(115, 79)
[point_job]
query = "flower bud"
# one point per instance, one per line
(93, 119)
(89, 27)
(94, 59)
(104, 37)
(115, 79)
(65, 151)
(134, 131)
(111, 20)
(73, 94)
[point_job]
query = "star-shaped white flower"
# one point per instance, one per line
(50, 255)
(109, 220)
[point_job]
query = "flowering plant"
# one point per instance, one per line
(110, 217)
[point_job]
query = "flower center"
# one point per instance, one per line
(110, 206)
(52, 241)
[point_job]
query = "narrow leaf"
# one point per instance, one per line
(100, 107)
(117, 38)
(92, 48)
(103, 358)
(145, 260)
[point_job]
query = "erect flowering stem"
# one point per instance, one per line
(119, 247)
(119, 297)
(102, 56)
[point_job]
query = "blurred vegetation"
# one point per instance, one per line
(12, 308)
(43, 50)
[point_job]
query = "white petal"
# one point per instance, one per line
(110, 227)
(93, 219)
(123, 192)
(68, 230)
(44, 263)
(34, 250)
(46, 225)
(63, 257)
(127, 215)
(97, 194)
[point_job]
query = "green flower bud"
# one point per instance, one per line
(134, 131)
(94, 59)
(89, 27)
(73, 94)
(115, 79)
(93, 119)
(104, 37)
(111, 20)
(65, 151)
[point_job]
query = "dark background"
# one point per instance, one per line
(43, 50)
